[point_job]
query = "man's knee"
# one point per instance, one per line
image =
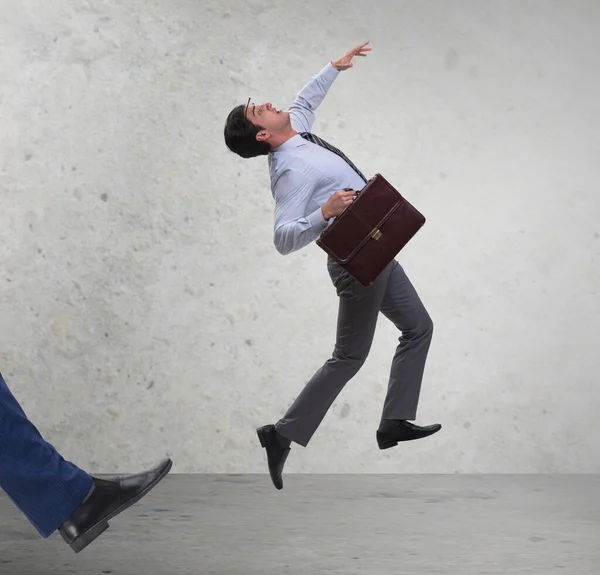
(427, 325)
(422, 329)
(351, 361)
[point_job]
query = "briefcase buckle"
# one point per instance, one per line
(376, 234)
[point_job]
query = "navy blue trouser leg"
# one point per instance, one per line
(45, 487)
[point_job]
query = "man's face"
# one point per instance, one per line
(271, 119)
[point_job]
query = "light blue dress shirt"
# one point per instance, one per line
(304, 175)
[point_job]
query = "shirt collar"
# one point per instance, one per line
(294, 142)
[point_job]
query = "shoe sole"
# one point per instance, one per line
(96, 530)
(387, 444)
(394, 442)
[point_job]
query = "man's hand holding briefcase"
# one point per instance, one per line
(371, 227)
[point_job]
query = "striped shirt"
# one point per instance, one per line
(304, 175)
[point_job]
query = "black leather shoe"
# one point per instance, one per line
(276, 454)
(392, 431)
(111, 496)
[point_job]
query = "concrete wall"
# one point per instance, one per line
(144, 309)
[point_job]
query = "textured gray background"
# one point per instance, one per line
(144, 309)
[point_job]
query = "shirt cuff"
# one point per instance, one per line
(331, 70)
(317, 221)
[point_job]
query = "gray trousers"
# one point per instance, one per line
(394, 296)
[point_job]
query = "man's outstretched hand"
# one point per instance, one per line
(345, 62)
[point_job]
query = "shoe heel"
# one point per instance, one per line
(385, 442)
(261, 436)
(86, 538)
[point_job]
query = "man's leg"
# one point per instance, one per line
(357, 318)
(45, 487)
(53, 493)
(402, 305)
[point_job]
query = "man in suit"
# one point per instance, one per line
(53, 493)
(308, 181)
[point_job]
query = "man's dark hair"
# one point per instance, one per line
(240, 135)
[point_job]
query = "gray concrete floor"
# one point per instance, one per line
(417, 524)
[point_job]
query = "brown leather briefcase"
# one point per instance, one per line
(371, 231)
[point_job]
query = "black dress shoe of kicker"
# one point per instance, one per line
(110, 496)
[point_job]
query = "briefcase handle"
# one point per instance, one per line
(350, 190)
(357, 194)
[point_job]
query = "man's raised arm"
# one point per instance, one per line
(302, 110)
